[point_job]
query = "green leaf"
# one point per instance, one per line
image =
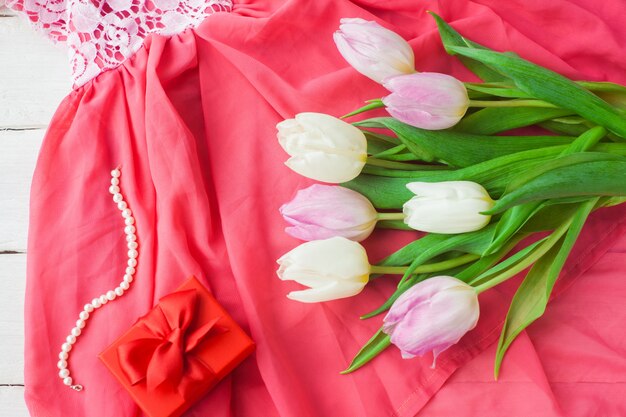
(473, 242)
(389, 152)
(463, 272)
(451, 37)
(379, 342)
(457, 148)
(371, 105)
(551, 87)
(491, 120)
(496, 90)
(550, 216)
(494, 175)
(601, 178)
(397, 293)
(511, 221)
(531, 298)
(567, 129)
(510, 263)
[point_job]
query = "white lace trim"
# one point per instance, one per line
(102, 34)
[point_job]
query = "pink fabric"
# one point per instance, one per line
(190, 119)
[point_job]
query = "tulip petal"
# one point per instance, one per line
(326, 167)
(333, 291)
(447, 207)
(437, 325)
(373, 50)
(426, 100)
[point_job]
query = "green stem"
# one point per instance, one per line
(528, 261)
(393, 164)
(390, 216)
(510, 103)
(426, 268)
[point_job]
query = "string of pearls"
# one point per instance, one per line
(96, 303)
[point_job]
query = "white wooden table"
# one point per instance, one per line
(34, 78)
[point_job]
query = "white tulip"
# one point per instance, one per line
(447, 207)
(323, 147)
(332, 268)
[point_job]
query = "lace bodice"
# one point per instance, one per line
(101, 34)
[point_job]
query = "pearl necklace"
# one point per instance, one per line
(96, 303)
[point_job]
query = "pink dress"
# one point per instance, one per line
(189, 117)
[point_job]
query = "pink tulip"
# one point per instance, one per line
(432, 316)
(426, 100)
(372, 50)
(324, 211)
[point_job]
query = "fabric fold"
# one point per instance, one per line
(191, 120)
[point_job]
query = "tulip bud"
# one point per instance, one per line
(324, 211)
(372, 50)
(447, 207)
(426, 100)
(333, 268)
(432, 316)
(323, 147)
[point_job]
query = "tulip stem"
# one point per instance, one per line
(510, 103)
(402, 165)
(426, 268)
(390, 216)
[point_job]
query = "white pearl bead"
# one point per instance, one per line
(88, 308)
(68, 381)
(63, 355)
(76, 331)
(116, 173)
(128, 278)
(131, 237)
(62, 364)
(114, 189)
(122, 205)
(64, 373)
(133, 253)
(71, 339)
(111, 295)
(115, 181)
(80, 324)
(132, 263)
(130, 270)
(126, 213)
(66, 347)
(133, 245)
(129, 221)
(83, 315)
(96, 303)
(104, 299)
(119, 291)
(117, 197)
(129, 230)
(124, 285)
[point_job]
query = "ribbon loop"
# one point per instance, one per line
(167, 356)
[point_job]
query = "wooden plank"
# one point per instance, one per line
(17, 163)
(12, 402)
(13, 279)
(34, 75)
(4, 12)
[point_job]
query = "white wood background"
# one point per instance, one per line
(34, 78)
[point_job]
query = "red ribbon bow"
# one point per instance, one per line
(168, 356)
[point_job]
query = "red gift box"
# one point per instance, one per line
(176, 353)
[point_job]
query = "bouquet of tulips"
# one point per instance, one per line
(438, 166)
